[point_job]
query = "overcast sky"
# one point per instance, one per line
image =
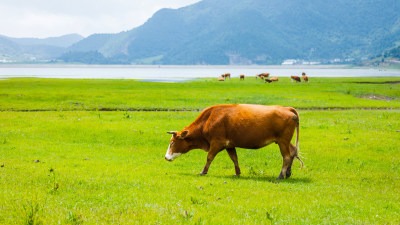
(50, 18)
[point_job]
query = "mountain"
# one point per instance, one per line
(91, 43)
(35, 49)
(62, 41)
(255, 32)
(232, 32)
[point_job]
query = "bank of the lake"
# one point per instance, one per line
(165, 72)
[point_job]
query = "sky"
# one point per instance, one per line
(52, 18)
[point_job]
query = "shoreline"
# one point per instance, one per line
(174, 72)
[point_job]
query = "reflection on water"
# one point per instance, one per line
(180, 73)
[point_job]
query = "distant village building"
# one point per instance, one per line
(394, 60)
(4, 60)
(299, 62)
(289, 62)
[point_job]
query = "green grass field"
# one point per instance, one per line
(58, 94)
(72, 163)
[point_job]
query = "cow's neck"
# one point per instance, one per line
(199, 141)
(196, 129)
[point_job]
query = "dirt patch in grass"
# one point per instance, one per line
(384, 82)
(376, 97)
(190, 109)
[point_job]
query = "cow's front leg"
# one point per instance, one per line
(210, 157)
(233, 155)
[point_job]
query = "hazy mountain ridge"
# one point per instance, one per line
(63, 41)
(35, 49)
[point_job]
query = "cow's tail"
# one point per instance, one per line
(297, 119)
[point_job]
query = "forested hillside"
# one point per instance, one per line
(258, 32)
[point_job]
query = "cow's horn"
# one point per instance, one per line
(172, 132)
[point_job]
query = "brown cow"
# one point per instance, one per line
(239, 125)
(226, 75)
(242, 77)
(272, 79)
(296, 78)
(262, 75)
(305, 78)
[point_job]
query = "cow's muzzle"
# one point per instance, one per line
(168, 159)
(171, 158)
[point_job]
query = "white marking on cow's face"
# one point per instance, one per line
(172, 157)
(169, 156)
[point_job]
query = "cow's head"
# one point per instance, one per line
(178, 145)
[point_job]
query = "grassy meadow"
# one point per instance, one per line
(30, 94)
(66, 159)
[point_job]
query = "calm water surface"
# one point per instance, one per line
(178, 73)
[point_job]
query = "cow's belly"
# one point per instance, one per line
(252, 137)
(251, 144)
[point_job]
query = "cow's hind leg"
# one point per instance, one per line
(287, 160)
(293, 152)
(233, 155)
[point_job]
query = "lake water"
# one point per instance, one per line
(180, 73)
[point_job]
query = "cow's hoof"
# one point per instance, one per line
(288, 172)
(202, 174)
(281, 177)
(237, 175)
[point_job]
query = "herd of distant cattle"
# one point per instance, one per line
(265, 77)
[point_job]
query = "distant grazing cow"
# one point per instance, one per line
(295, 78)
(303, 73)
(272, 79)
(242, 77)
(262, 75)
(239, 125)
(221, 79)
(226, 75)
(305, 78)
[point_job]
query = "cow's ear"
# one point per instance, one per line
(172, 132)
(184, 134)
